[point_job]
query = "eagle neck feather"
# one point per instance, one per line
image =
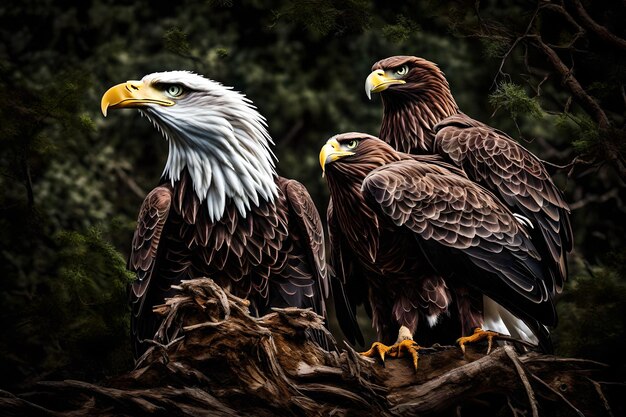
(409, 118)
(356, 219)
(228, 158)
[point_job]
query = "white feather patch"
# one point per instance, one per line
(499, 319)
(432, 319)
(523, 220)
(220, 138)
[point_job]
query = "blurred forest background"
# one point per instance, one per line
(550, 73)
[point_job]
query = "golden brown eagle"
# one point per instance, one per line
(420, 116)
(220, 210)
(416, 241)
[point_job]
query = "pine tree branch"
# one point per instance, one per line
(515, 43)
(559, 9)
(600, 31)
(588, 103)
(568, 79)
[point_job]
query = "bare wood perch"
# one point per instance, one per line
(222, 361)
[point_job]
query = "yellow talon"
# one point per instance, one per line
(406, 346)
(478, 335)
(398, 350)
(377, 349)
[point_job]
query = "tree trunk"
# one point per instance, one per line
(224, 362)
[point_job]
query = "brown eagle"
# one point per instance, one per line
(420, 116)
(418, 243)
(220, 211)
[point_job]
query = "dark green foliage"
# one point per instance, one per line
(402, 30)
(175, 41)
(515, 100)
(72, 321)
(495, 48)
(583, 129)
(92, 288)
(323, 17)
(592, 314)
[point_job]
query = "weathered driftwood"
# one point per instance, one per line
(222, 361)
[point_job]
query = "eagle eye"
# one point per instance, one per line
(173, 90)
(352, 144)
(402, 71)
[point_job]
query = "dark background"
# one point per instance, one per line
(72, 182)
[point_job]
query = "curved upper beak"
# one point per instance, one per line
(331, 152)
(378, 81)
(132, 94)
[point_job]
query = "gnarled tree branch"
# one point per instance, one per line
(600, 31)
(225, 362)
(568, 79)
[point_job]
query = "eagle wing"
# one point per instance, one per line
(143, 257)
(311, 236)
(504, 167)
(451, 215)
(305, 278)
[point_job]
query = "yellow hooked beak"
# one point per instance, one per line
(132, 94)
(331, 152)
(378, 81)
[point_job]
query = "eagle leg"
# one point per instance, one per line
(479, 334)
(403, 346)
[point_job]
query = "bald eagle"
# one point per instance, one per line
(220, 211)
(417, 242)
(420, 116)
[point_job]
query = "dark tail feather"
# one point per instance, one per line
(543, 335)
(345, 314)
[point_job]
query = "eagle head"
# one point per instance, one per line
(214, 132)
(353, 155)
(404, 74)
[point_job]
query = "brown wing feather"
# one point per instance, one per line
(152, 218)
(307, 220)
(504, 167)
(451, 211)
(146, 248)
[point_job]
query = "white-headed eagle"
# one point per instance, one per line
(420, 116)
(418, 243)
(220, 211)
